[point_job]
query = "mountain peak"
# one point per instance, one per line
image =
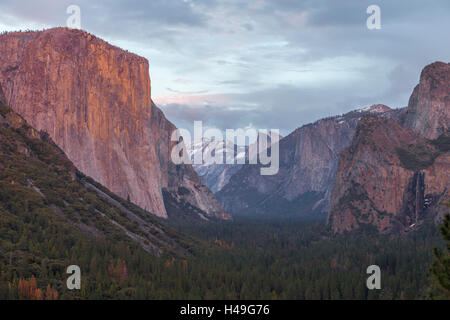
(428, 112)
(375, 108)
(436, 69)
(394, 175)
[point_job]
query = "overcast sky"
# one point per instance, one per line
(267, 64)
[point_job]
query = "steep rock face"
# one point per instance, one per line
(308, 164)
(429, 106)
(94, 100)
(36, 171)
(215, 176)
(180, 183)
(390, 178)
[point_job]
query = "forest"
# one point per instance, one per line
(52, 216)
(238, 260)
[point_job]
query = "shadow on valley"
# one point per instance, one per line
(294, 258)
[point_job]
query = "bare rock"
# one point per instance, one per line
(94, 100)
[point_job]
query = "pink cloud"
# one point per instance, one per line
(192, 99)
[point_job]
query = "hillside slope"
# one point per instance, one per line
(37, 181)
(94, 100)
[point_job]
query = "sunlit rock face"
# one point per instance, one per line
(390, 178)
(396, 174)
(429, 106)
(94, 100)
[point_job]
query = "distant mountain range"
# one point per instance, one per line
(387, 168)
(321, 169)
(308, 164)
(214, 175)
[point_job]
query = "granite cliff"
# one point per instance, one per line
(308, 165)
(429, 106)
(396, 174)
(94, 100)
(390, 178)
(215, 176)
(38, 181)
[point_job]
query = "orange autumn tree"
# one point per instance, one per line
(118, 271)
(50, 293)
(223, 244)
(27, 289)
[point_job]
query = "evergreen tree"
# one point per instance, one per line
(440, 268)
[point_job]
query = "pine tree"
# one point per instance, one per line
(440, 268)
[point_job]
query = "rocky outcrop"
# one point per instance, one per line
(180, 184)
(429, 106)
(390, 178)
(94, 100)
(308, 165)
(215, 175)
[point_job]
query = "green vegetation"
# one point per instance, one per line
(355, 193)
(440, 269)
(293, 259)
(4, 110)
(52, 216)
(442, 142)
(419, 157)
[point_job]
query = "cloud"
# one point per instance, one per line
(285, 107)
(271, 64)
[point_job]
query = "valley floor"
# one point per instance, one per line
(297, 259)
